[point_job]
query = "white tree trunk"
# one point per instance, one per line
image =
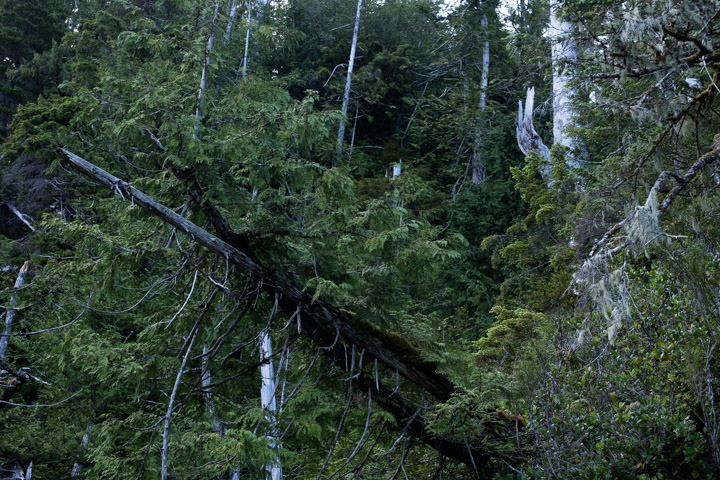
(205, 71)
(231, 21)
(397, 169)
(10, 314)
(485, 64)
(564, 58)
(528, 139)
(348, 81)
(247, 39)
(267, 400)
(478, 166)
(17, 472)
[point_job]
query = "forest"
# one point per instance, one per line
(359, 239)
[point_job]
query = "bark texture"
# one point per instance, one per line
(564, 58)
(10, 313)
(267, 400)
(528, 139)
(478, 165)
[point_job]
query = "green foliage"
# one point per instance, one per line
(564, 367)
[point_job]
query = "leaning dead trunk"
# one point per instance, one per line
(528, 139)
(348, 81)
(324, 323)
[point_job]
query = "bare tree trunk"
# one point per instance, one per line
(478, 166)
(215, 421)
(207, 395)
(528, 139)
(171, 404)
(17, 472)
(564, 58)
(348, 81)
(247, 39)
(267, 397)
(205, 71)
(231, 22)
(485, 64)
(10, 314)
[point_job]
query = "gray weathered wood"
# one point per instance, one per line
(10, 314)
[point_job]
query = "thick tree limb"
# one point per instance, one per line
(682, 182)
(322, 322)
(710, 157)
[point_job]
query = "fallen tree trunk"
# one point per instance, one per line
(323, 323)
(421, 373)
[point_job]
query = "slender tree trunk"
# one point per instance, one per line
(171, 404)
(564, 58)
(267, 398)
(478, 166)
(247, 39)
(348, 81)
(17, 472)
(205, 71)
(485, 64)
(10, 313)
(231, 21)
(217, 425)
(207, 395)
